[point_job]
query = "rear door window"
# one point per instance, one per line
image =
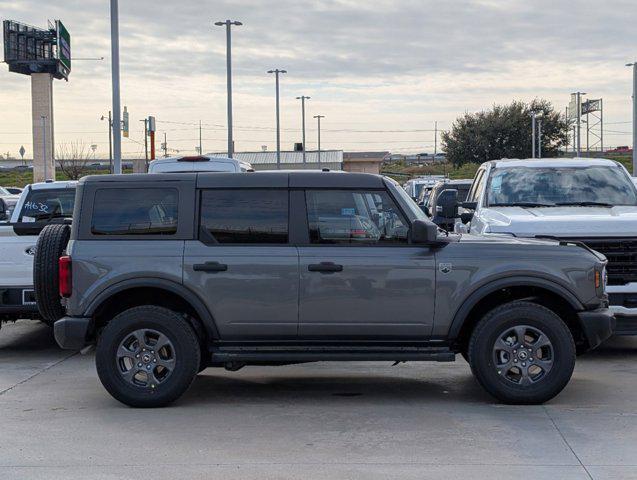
(43, 205)
(248, 216)
(135, 211)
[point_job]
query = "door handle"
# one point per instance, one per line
(211, 267)
(325, 267)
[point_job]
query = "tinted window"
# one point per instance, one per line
(135, 211)
(47, 204)
(354, 217)
(245, 216)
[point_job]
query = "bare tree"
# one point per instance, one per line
(73, 158)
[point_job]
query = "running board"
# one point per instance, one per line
(327, 354)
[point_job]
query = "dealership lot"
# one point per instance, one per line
(353, 420)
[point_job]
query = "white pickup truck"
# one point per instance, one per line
(589, 200)
(38, 205)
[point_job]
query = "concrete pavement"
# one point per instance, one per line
(364, 420)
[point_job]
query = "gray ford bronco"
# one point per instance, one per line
(169, 274)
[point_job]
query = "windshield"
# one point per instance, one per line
(550, 186)
(4, 191)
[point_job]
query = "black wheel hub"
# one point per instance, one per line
(145, 358)
(523, 355)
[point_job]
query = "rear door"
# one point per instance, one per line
(243, 265)
(360, 276)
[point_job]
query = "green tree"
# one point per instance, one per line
(504, 132)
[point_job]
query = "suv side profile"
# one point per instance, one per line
(170, 274)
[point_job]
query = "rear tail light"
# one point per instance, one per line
(65, 276)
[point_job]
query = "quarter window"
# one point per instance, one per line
(354, 217)
(135, 211)
(245, 216)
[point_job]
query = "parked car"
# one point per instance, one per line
(258, 276)
(8, 201)
(13, 190)
(435, 212)
(415, 186)
(589, 200)
(39, 204)
(198, 163)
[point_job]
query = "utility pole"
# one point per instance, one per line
(145, 141)
(634, 65)
(539, 137)
(566, 119)
(228, 24)
(278, 123)
(200, 149)
(303, 98)
(318, 117)
(601, 125)
(117, 135)
(532, 134)
(435, 140)
(578, 126)
(110, 140)
(165, 146)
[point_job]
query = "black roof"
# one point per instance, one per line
(263, 179)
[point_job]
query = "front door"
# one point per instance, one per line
(360, 278)
(242, 266)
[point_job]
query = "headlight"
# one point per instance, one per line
(601, 279)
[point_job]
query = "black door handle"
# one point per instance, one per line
(210, 267)
(325, 267)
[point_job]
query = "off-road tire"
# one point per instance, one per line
(186, 350)
(50, 247)
(490, 328)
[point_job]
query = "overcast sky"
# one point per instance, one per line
(381, 71)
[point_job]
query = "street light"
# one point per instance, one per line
(117, 135)
(634, 65)
(278, 123)
(228, 24)
(303, 98)
(318, 117)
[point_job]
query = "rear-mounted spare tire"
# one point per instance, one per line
(51, 245)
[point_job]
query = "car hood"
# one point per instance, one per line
(562, 221)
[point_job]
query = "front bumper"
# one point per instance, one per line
(71, 332)
(623, 304)
(598, 325)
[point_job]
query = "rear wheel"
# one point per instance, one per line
(522, 353)
(51, 245)
(147, 356)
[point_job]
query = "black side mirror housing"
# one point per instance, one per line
(447, 204)
(425, 210)
(423, 232)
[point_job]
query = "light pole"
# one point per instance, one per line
(228, 24)
(578, 104)
(117, 135)
(539, 137)
(318, 117)
(303, 98)
(278, 123)
(533, 134)
(634, 65)
(46, 161)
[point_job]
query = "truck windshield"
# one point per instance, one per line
(560, 186)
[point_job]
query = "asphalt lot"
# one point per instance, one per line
(347, 421)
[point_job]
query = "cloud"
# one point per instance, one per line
(384, 64)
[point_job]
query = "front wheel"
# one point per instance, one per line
(522, 353)
(147, 356)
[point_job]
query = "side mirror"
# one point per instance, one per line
(425, 210)
(447, 204)
(423, 232)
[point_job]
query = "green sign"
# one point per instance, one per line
(64, 45)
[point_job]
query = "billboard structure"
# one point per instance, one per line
(29, 50)
(591, 114)
(43, 54)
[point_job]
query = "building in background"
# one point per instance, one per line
(332, 159)
(364, 162)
